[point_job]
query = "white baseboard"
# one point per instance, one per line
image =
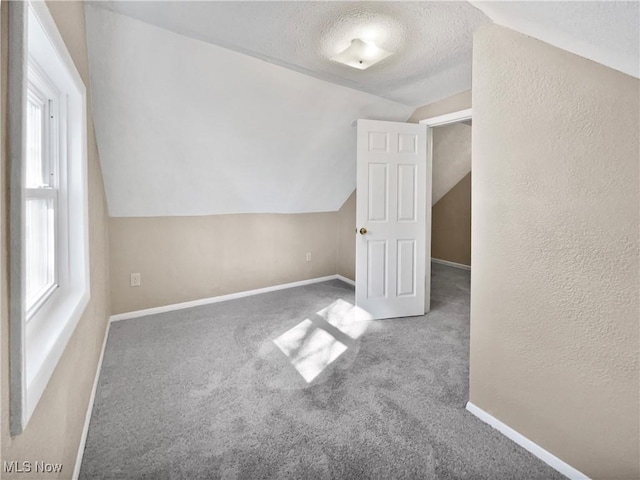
(87, 418)
(451, 264)
(547, 457)
(346, 280)
(223, 298)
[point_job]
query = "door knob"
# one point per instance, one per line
(363, 231)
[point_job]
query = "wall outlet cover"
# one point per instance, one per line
(135, 280)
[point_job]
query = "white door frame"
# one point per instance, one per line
(452, 117)
(431, 123)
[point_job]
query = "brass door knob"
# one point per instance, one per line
(363, 231)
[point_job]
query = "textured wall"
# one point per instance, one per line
(190, 258)
(451, 224)
(54, 430)
(555, 254)
(346, 236)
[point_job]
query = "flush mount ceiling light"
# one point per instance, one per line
(361, 54)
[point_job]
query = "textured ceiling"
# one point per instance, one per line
(189, 128)
(432, 40)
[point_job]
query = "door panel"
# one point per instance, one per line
(393, 178)
(378, 192)
(377, 271)
(406, 267)
(407, 194)
(378, 142)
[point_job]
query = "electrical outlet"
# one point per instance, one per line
(308, 256)
(135, 280)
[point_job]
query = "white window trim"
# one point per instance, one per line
(37, 346)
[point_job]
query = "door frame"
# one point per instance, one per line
(431, 123)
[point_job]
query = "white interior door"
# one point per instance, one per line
(392, 218)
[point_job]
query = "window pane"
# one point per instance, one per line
(35, 150)
(40, 248)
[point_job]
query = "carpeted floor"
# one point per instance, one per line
(266, 388)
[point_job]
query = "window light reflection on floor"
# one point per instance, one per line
(311, 348)
(349, 319)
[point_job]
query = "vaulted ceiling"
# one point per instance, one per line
(185, 127)
(607, 32)
(234, 107)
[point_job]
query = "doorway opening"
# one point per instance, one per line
(449, 153)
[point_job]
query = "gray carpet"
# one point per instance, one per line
(206, 393)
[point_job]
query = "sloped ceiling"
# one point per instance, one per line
(189, 128)
(607, 32)
(235, 107)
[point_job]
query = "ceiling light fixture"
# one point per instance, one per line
(361, 54)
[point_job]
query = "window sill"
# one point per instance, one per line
(46, 337)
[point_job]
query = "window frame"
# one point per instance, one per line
(39, 337)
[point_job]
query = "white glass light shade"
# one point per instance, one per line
(361, 54)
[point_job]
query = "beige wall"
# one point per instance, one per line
(54, 431)
(451, 224)
(189, 258)
(554, 297)
(346, 237)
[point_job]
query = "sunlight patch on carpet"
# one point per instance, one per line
(349, 319)
(309, 348)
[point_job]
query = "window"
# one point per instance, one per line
(49, 253)
(41, 189)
